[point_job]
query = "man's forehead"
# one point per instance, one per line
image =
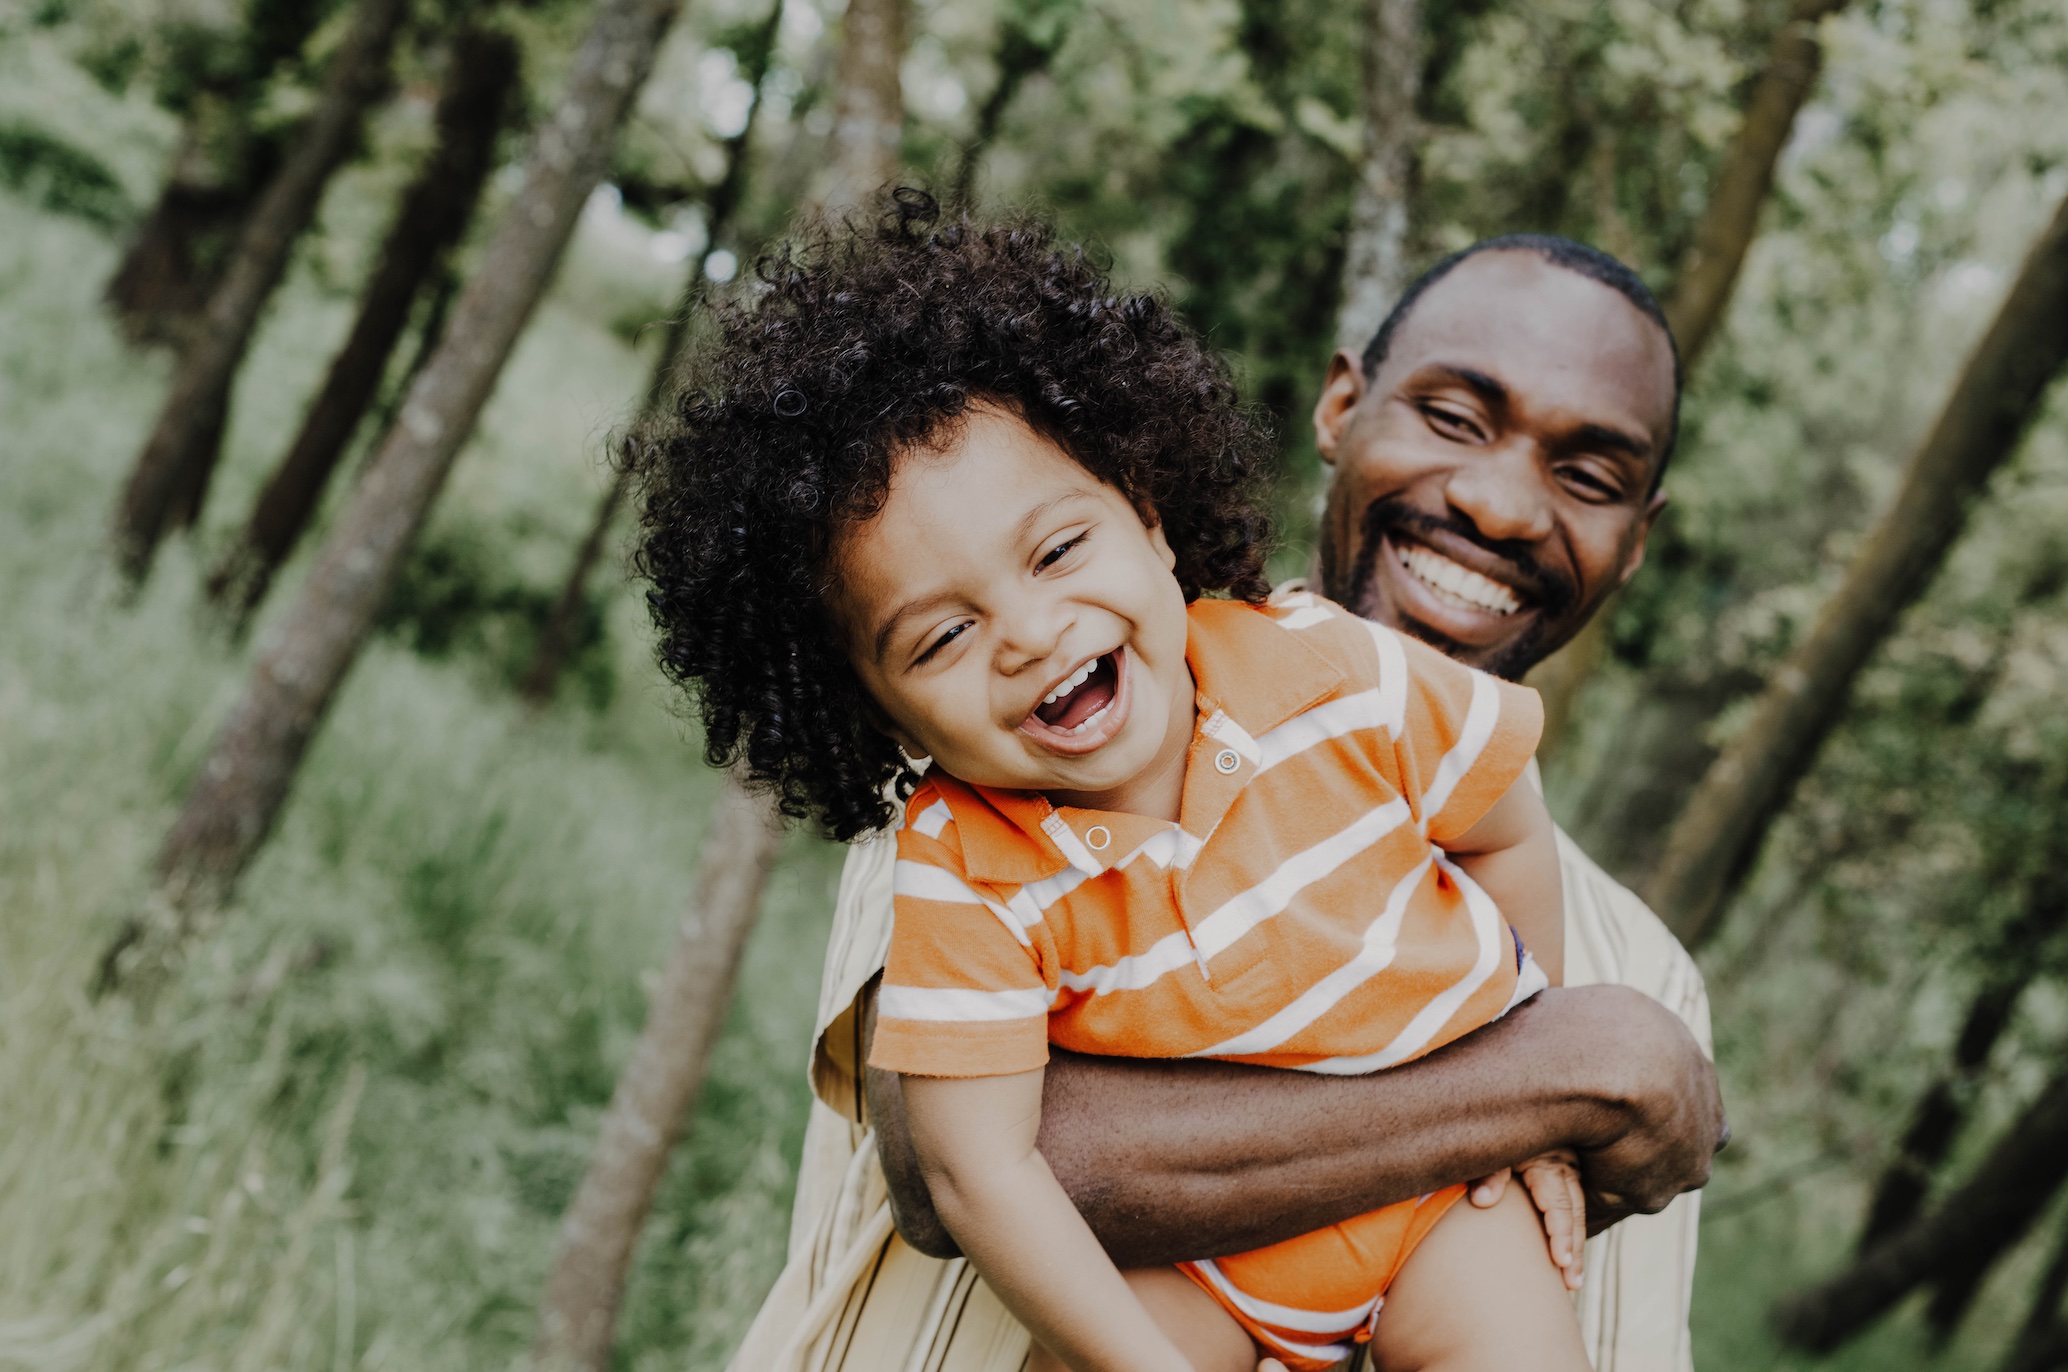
(1551, 336)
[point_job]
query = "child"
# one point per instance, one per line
(940, 495)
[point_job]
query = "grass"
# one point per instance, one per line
(344, 1135)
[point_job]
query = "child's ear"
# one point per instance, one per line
(881, 723)
(1162, 545)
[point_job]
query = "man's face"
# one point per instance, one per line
(1493, 481)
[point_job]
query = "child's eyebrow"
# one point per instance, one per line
(905, 612)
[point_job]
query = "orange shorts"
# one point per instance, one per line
(1311, 1300)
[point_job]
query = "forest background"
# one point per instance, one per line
(313, 1082)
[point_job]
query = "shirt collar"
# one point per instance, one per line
(1251, 668)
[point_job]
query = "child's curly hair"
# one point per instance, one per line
(858, 344)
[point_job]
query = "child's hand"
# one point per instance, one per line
(1553, 1182)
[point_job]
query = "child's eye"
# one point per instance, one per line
(943, 641)
(1056, 553)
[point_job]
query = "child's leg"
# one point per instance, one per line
(1203, 1332)
(1480, 1294)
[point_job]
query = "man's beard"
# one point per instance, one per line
(1553, 592)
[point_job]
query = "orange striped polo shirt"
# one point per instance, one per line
(1300, 913)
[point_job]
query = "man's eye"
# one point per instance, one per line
(943, 641)
(1591, 486)
(1057, 553)
(1450, 422)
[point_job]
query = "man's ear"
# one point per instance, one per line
(1634, 559)
(1340, 394)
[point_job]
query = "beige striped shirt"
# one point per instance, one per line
(854, 1298)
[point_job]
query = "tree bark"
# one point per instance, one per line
(241, 786)
(557, 634)
(1715, 839)
(1966, 1232)
(434, 212)
(868, 102)
(1703, 287)
(1375, 250)
(654, 1096)
(171, 474)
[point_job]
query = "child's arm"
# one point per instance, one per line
(1512, 852)
(994, 1192)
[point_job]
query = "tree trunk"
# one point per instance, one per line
(1703, 287)
(1967, 1231)
(172, 472)
(2042, 1344)
(1375, 252)
(557, 634)
(1943, 1109)
(868, 102)
(174, 259)
(250, 767)
(1716, 837)
(659, 1087)
(1027, 43)
(434, 212)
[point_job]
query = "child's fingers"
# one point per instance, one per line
(1553, 1188)
(1487, 1191)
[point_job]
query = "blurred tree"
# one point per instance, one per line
(1716, 837)
(236, 796)
(2042, 1343)
(482, 71)
(218, 82)
(1030, 34)
(171, 476)
(657, 1090)
(1375, 251)
(754, 47)
(868, 101)
(1966, 1232)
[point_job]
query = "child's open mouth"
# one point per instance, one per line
(1081, 712)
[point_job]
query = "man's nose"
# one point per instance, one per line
(1502, 491)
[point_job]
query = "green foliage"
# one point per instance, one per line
(61, 177)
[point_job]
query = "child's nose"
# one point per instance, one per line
(1031, 634)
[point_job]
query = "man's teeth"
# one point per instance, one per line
(1457, 582)
(1077, 678)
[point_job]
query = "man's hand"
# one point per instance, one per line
(1661, 1118)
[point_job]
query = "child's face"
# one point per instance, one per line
(998, 573)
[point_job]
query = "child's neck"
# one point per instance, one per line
(1158, 790)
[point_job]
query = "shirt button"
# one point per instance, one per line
(1098, 836)
(1227, 761)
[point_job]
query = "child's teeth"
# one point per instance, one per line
(1077, 678)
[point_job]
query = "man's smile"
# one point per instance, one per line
(1455, 582)
(1442, 593)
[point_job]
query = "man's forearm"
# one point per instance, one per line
(1193, 1159)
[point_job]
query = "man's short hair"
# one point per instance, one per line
(1576, 257)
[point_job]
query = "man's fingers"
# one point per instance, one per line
(1487, 1191)
(1270, 1365)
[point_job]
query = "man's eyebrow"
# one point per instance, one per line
(1489, 390)
(1600, 438)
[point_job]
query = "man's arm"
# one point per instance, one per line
(1170, 1160)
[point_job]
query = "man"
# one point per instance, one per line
(1496, 454)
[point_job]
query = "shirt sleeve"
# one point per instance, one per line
(964, 989)
(1465, 738)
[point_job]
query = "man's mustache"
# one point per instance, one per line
(1553, 591)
